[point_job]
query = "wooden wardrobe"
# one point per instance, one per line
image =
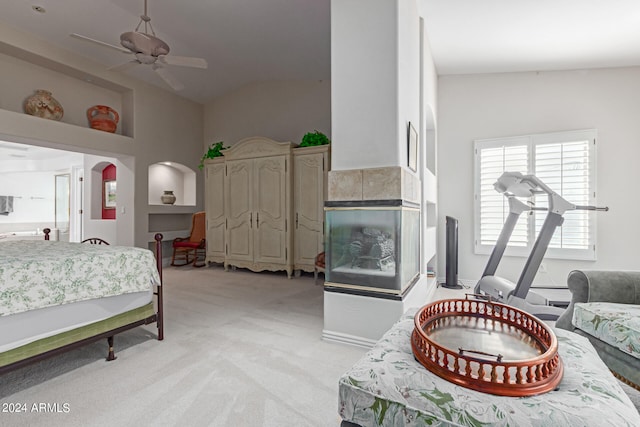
(265, 205)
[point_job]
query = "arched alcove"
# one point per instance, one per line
(171, 176)
(103, 182)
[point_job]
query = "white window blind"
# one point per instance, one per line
(565, 162)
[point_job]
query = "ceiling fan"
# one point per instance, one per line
(148, 50)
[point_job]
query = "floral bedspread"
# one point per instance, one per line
(389, 388)
(38, 274)
(616, 324)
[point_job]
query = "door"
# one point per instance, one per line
(270, 207)
(215, 208)
(240, 216)
(308, 208)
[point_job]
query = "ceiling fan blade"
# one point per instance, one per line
(125, 66)
(168, 78)
(112, 46)
(184, 61)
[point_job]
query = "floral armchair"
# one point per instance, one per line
(605, 308)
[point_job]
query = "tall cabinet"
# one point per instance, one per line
(310, 170)
(215, 208)
(257, 187)
(265, 205)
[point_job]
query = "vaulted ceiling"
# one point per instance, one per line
(254, 40)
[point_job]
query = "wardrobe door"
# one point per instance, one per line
(215, 212)
(239, 210)
(308, 199)
(270, 203)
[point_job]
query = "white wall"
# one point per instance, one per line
(499, 105)
(280, 110)
(365, 65)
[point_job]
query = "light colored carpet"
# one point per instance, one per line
(240, 349)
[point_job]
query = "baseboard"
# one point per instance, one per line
(467, 283)
(347, 339)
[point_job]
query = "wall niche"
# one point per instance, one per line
(173, 177)
(75, 90)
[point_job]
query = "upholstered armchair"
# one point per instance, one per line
(605, 308)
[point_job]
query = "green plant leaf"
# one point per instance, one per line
(213, 152)
(311, 139)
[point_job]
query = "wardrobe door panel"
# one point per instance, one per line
(215, 212)
(270, 205)
(240, 215)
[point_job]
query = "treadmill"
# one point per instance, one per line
(499, 289)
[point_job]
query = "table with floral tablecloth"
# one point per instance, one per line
(389, 388)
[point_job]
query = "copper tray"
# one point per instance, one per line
(487, 346)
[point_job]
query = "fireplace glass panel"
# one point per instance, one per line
(372, 249)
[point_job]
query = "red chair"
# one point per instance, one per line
(319, 267)
(192, 249)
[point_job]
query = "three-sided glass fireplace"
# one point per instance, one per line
(372, 247)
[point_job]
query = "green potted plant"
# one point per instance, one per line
(311, 139)
(215, 150)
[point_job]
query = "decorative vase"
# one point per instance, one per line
(168, 198)
(102, 117)
(42, 104)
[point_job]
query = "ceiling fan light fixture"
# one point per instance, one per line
(148, 50)
(147, 44)
(146, 59)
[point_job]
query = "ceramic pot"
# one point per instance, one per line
(168, 198)
(42, 104)
(102, 117)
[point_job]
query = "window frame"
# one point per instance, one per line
(531, 141)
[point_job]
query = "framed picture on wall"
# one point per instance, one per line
(109, 196)
(412, 148)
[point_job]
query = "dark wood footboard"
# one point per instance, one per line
(158, 293)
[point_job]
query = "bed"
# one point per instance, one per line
(55, 296)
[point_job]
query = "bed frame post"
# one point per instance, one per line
(160, 320)
(111, 356)
(46, 232)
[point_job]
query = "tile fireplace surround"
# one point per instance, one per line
(372, 250)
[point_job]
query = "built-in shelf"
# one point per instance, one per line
(60, 134)
(77, 90)
(171, 220)
(430, 187)
(430, 247)
(175, 177)
(171, 209)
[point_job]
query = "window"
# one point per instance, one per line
(565, 162)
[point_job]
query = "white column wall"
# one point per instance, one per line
(364, 84)
(376, 91)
